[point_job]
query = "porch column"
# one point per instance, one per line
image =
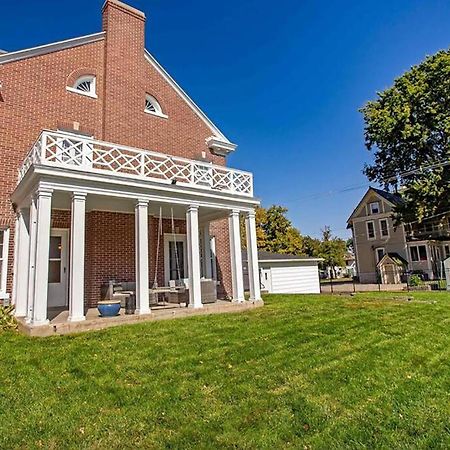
(207, 252)
(43, 218)
(252, 257)
(31, 259)
(193, 249)
(236, 257)
(142, 279)
(76, 265)
(21, 263)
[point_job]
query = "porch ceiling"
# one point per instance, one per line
(62, 200)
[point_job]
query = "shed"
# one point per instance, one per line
(392, 267)
(286, 274)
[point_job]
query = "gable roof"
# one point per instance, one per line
(392, 198)
(88, 39)
(152, 60)
(49, 48)
(395, 257)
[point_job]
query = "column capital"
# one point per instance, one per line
(250, 214)
(43, 192)
(79, 195)
(235, 212)
(192, 208)
(141, 202)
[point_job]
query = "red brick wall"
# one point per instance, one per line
(34, 97)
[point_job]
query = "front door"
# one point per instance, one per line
(58, 268)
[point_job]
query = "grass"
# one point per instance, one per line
(319, 372)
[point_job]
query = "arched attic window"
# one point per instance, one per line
(152, 106)
(84, 85)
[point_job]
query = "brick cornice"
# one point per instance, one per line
(124, 8)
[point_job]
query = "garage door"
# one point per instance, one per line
(295, 279)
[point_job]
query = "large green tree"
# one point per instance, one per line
(332, 249)
(408, 129)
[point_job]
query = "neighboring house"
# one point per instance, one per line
(286, 274)
(121, 177)
(423, 247)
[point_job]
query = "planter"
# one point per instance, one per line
(109, 308)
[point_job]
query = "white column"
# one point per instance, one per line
(142, 279)
(31, 258)
(21, 263)
(236, 257)
(76, 266)
(44, 209)
(193, 250)
(207, 252)
(252, 257)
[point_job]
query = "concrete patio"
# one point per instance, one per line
(60, 325)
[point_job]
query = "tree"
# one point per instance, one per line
(408, 129)
(274, 231)
(332, 250)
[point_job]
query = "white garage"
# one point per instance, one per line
(287, 274)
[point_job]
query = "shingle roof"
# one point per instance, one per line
(268, 256)
(392, 197)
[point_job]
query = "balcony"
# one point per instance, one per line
(63, 150)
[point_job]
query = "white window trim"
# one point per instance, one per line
(374, 230)
(370, 208)
(4, 262)
(91, 94)
(376, 253)
(161, 115)
(156, 105)
(418, 253)
(388, 235)
(170, 237)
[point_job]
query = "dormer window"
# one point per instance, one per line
(85, 86)
(153, 107)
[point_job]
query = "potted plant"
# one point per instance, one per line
(108, 308)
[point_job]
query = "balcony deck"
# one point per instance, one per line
(80, 153)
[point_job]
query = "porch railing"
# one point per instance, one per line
(85, 154)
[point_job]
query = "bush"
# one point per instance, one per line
(415, 280)
(7, 319)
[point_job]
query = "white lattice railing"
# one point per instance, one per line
(85, 154)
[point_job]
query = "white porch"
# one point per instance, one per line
(65, 172)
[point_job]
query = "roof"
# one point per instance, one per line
(7, 57)
(279, 257)
(392, 198)
(2, 52)
(399, 260)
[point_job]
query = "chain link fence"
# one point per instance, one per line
(388, 280)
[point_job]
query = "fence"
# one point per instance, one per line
(388, 280)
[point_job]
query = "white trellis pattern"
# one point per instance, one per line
(81, 153)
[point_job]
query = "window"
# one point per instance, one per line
(370, 230)
(4, 243)
(374, 208)
(384, 228)
(418, 253)
(379, 254)
(84, 85)
(176, 251)
(153, 107)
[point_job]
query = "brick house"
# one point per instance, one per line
(110, 171)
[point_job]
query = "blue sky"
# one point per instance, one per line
(284, 80)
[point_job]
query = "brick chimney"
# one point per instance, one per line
(124, 93)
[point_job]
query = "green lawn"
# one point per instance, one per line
(319, 372)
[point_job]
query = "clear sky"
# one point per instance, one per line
(283, 79)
